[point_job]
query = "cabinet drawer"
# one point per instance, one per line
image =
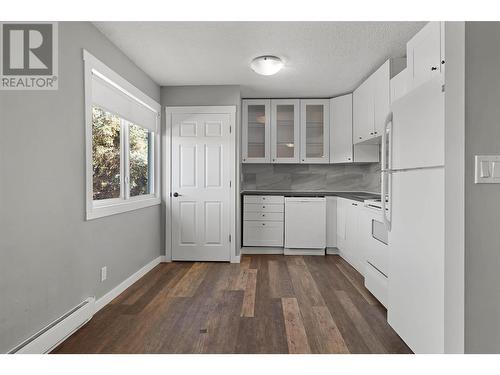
(263, 207)
(262, 233)
(376, 283)
(264, 199)
(263, 216)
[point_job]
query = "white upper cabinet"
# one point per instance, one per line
(363, 111)
(342, 149)
(425, 54)
(381, 99)
(341, 129)
(371, 102)
(314, 130)
(256, 131)
(399, 85)
(285, 130)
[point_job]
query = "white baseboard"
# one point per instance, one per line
(59, 330)
(332, 251)
(261, 250)
(56, 332)
(117, 290)
(236, 259)
(304, 251)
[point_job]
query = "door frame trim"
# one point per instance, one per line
(167, 173)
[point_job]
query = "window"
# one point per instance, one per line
(106, 163)
(140, 162)
(122, 143)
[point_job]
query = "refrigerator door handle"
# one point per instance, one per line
(386, 188)
(387, 135)
(385, 217)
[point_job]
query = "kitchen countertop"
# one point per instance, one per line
(359, 196)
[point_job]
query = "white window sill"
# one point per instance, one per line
(118, 208)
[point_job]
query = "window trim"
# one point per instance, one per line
(107, 207)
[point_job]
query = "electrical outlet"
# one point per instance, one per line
(104, 273)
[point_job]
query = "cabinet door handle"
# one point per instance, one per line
(434, 68)
(354, 204)
(360, 137)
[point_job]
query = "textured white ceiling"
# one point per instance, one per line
(322, 58)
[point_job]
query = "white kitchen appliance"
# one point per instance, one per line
(305, 225)
(374, 234)
(413, 181)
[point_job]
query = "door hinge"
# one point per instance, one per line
(442, 88)
(229, 238)
(230, 129)
(230, 183)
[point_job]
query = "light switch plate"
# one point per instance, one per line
(487, 170)
(104, 273)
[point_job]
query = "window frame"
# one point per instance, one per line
(106, 207)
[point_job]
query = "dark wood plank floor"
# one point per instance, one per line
(265, 304)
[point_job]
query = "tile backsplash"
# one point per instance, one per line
(322, 177)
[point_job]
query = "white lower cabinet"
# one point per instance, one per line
(263, 216)
(363, 244)
(263, 220)
(348, 233)
(263, 233)
(331, 222)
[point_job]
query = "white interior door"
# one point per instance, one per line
(203, 168)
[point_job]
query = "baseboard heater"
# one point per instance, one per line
(56, 332)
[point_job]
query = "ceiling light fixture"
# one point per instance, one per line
(266, 65)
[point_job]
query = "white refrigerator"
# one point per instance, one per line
(413, 182)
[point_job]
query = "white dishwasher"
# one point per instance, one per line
(305, 226)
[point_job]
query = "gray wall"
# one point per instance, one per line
(212, 96)
(482, 202)
(200, 95)
(326, 177)
(50, 257)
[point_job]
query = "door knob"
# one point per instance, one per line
(176, 194)
(434, 68)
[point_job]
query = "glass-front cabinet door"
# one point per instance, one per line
(314, 131)
(256, 131)
(285, 130)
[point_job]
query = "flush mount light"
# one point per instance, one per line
(266, 65)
